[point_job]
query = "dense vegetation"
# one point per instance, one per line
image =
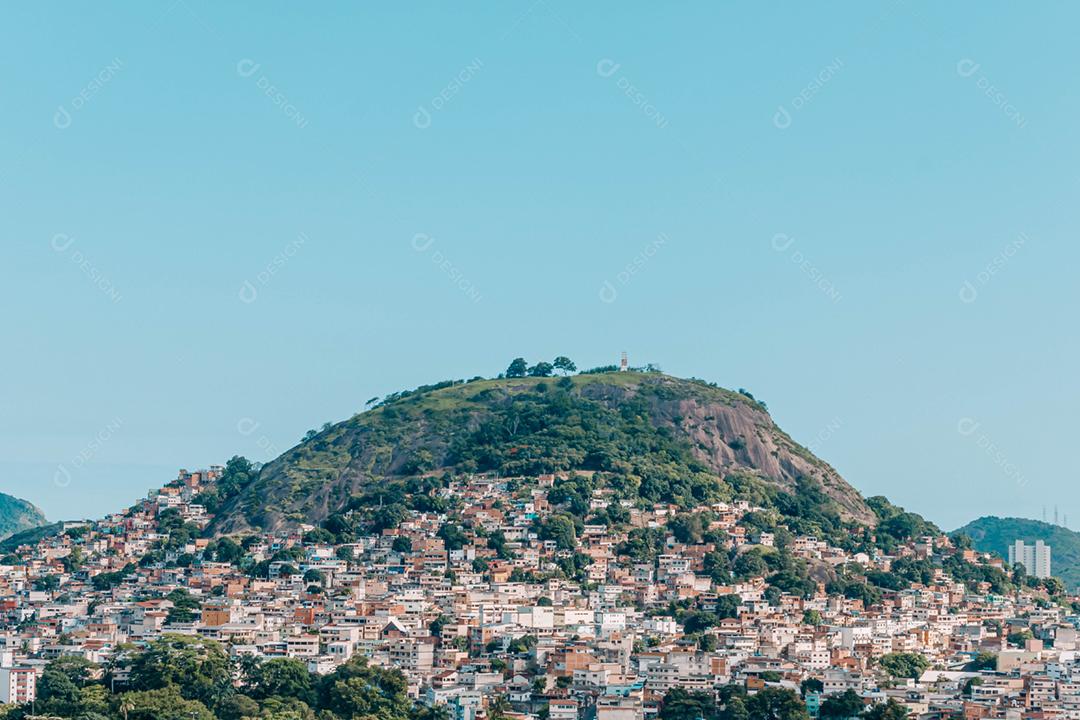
(184, 678)
(535, 418)
(994, 534)
(17, 515)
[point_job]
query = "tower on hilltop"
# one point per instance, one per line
(624, 364)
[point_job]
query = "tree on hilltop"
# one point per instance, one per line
(517, 368)
(541, 369)
(565, 364)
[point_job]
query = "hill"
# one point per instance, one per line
(17, 515)
(662, 438)
(995, 534)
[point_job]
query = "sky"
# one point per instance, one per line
(225, 224)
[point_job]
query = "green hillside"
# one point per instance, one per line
(995, 534)
(660, 438)
(17, 515)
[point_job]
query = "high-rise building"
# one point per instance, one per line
(1035, 558)
(18, 685)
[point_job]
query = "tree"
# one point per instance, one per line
(890, 710)
(734, 707)
(718, 566)
(314, 577)
(727, 606)
(750, 565)
(66, 688)
(811, 685)
(498, 707)
(682, 704)
(283, 678)
(454, 538)
(356, 690)
(811, 617)
(163, 704)
(1053, 586)
(517, 368)
(904, 665)
(402, 544)
(541, 369)
(687, 528)
(775, 703)
(696, 621)
(435, 627)
(1018, 638)
(47, 583)
(198, 669)
(565, 364)
(237, 707)
(560, 528)
(840, 707)
(224, 550)
(185, 607)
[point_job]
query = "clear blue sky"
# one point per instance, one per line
(215, 217)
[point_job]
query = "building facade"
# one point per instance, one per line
(1035, 558)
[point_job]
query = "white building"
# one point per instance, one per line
(17, 685)
(1035, 558)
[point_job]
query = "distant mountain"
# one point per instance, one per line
(30, 536)
(996, 534)
(17, 515)
(669, 438)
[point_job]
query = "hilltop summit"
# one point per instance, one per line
(662, 438)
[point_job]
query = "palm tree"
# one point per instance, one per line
(126, 706)
(498, 707)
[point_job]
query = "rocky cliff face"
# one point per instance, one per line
(641, 424)
(739, 437)
(17, 515)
